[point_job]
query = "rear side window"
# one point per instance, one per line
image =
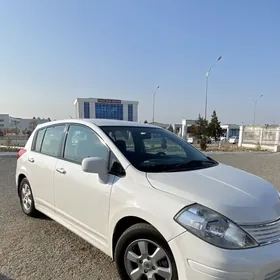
(52, 140)
(39, 140)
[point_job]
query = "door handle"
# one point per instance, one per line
(61, 170)
(31, 160)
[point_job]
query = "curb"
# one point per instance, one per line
(8, 154)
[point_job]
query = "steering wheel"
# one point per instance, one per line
(161, 154)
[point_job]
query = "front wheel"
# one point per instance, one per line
(142, 254)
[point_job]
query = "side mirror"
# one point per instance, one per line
(98, 166)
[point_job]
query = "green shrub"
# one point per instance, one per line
(203, 145)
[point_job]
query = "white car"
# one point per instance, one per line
(190, 140)
(151, 201)
(233, 140)
(193, 140)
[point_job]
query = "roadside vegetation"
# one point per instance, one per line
(9, 149)
(205, 130)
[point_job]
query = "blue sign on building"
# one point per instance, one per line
(113, 109)
(130, 112)
(86, 110)
(109, 111)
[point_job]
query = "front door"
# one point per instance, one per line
(80, 198)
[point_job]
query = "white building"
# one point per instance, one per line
(100, 108)
(4, 121)
(230, 130)
(7, 122)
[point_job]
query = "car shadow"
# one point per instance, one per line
(3, 277)
(42, 216)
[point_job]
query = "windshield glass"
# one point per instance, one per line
(157, 150)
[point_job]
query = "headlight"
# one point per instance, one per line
(214, 228)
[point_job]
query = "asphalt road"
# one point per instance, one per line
(41, 249)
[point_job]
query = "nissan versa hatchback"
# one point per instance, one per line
(159, 207)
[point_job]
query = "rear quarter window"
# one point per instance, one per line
(38, 140)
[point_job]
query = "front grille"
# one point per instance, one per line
(273, 275)
(264, 233)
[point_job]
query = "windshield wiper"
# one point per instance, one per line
(193, 164)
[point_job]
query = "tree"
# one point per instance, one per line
(201, 131)
(192, 130)
(214, 127)
(145, 121)
(170, 128)
(15, 131)
(201, 126)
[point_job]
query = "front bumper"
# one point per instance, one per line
(198, 260)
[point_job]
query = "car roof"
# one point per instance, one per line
(99, 122)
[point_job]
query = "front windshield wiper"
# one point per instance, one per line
(189, 165)
(194, 162)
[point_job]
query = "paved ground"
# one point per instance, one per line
(40, 249)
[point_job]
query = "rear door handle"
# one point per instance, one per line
(31, 160)
(61, 170)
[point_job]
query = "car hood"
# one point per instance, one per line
(238, 195)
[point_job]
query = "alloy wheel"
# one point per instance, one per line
(146, 260)
(26, 197)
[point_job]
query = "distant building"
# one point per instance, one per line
(180, 129)
(4, 121)
(8, 122)
(100, 108)
(230, 130)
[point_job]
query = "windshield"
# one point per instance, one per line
(157, 150)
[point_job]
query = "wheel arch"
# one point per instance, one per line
(127, 216)
(122, 225)
(21, 176)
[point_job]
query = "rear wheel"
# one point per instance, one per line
(142, 254)
(26, 199)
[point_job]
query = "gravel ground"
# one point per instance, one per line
(41, 249)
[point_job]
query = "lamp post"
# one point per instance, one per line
(206, 87)
(154, 97)
(16, 122)
(255, 108)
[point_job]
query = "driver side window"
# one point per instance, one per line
(82, 142)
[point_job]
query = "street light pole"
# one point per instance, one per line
(206, 87)
(255, 108)
(154, 97)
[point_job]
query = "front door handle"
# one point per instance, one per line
(61, 170)
(31, 160)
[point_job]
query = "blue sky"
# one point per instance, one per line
(54, 51)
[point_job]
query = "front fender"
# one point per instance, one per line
(145, 202)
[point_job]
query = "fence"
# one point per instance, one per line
(13, 140)
(263, 137)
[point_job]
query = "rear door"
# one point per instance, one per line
(41, 164)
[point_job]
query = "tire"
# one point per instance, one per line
(26, 199)
(162, 265)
